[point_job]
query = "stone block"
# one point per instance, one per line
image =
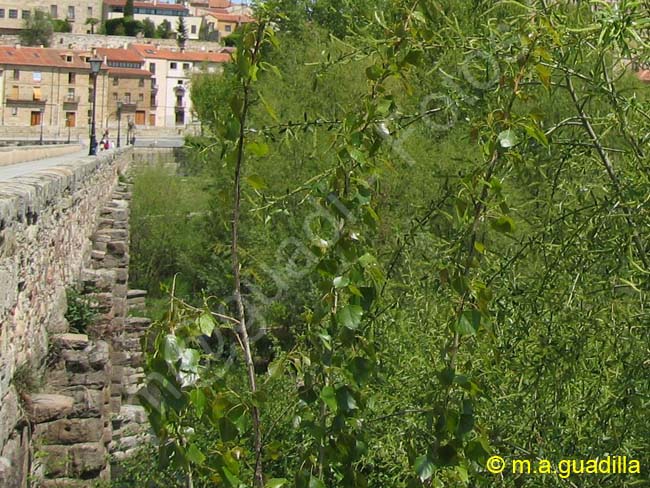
(8, 414)
(42, 407)
(70, 341)
(70, 431)
(94, 379)
(88, 459)
(14, 459)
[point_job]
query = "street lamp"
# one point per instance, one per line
(119, 121)
(40, 140)
(95, 66)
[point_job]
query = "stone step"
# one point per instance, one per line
(70, 341)
(136, 293)
(42, 407)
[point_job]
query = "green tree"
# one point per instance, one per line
(128, 9)
(37, 29)
(148, 28)
(92, 22)
(181, 32)
(164, 30)
(60, 25)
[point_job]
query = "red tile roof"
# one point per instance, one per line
(161, 6)
(151, 52)
(129, 72)
(219, 14)
(46, 57)
(116, 54)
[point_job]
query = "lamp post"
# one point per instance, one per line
(119, 121)
(40, 140)
(95, 66)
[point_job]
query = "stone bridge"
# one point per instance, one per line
(67, 397)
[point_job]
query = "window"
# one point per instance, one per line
(35, 119)
(115, 81)
(36, 93)
(179, 100)
(13, 13)
(25, 14)
(193, 29)
(70, 119)
(2, 13)
(186, 66)
(71, 78)
(70, 94)
(16, 74)
(179, 82)
(141, 97)
(127, 98)
(90, 95)
(54, 11)
(115, 96)
(141, 83)
(71, 12)
(152, 67)
(153, 83)
(89, 12)
(68, 59)
(228, 28)
(152, 102)
(36, 76)
(14, 111)
(172, 65)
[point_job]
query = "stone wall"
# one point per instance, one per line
(89, 41)
(46, 222)
(13, 155)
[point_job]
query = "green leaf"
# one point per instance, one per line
(328, 395)
(373, 72)
(256, 182)
(341, 281)
(349, 316)
(276, 368)
(172, 348)
(227, 429)
(197, 397)
(424, 468)
(465, 327)
(316, 483)
(206, 324)
(195, 455)
(276, 482)
(508, 138)
(503, 224)
(544, 74)
(345, 399)
(259, 149)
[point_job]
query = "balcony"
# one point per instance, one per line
(129, 106)
(15, 99)
(71, 100)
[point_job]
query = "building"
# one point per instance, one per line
(14, 12)
(158, 13)
(142, 85)
(48, 91)
(172, 72)
(131, 91)
(223, 23)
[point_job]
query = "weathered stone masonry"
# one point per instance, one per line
(58, 227)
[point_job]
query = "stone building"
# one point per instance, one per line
(172, 71)
(47, 91)
(14, 12)
(158, 13)
(131, 92)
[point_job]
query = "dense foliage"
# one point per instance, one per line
(423, 242)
